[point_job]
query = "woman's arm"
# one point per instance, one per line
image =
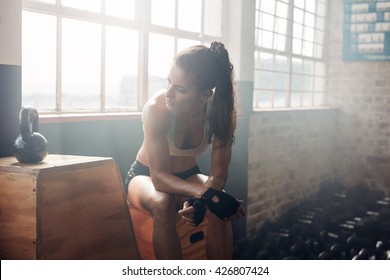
(220, 160)
(156, 120)
(219, 202)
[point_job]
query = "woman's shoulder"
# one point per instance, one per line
(155, 110)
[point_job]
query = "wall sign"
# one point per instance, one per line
(366, 30)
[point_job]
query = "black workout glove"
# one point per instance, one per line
(200, 210)
(223, 205)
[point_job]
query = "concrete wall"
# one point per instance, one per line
(10, 73)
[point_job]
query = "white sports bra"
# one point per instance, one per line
(175, 151)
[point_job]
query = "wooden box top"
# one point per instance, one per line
(11, 164)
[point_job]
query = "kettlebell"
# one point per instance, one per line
(30, 146)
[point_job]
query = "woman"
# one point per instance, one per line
(196, 110)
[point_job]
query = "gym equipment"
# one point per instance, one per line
(30, 146)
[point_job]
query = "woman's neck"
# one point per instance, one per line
(193, 112)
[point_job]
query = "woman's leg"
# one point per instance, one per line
(162, 206)
(219, 240)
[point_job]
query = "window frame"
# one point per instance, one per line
(290, 56)
(141, 23)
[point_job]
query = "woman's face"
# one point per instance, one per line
(181, 94)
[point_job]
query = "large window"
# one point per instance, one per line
(107, 55)
(290, 69)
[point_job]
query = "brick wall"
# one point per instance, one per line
(362, 92)
(293, 153)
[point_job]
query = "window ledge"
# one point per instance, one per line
(50, 118)
(295, 109)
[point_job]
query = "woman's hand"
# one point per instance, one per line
(222, 204)
(240, 211)
(187, 213)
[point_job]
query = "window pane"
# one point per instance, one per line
(268, 6)
(319, 37)
(190, 15)
(288, 84)
(267, 22)
(298, 15)
(281, 26)
(265, 61)
(309, 19)
(39, 60)
(265, 80)
(281, 81)
(88, 5)
(280, 99)
(296, 82)
(308, 83)
(297, 65)
(163, 13)
(280, 42)
(295, 99)
(309, 34)
(262, 99)
(308, 48)
(307, 99)
(297, 46)
(281, 63)
(121, 71)
(310, 6)
(308, 67)
(80, 65)
(161, 51)
(257, 76)
(185, 43)
(297, 31)
(267, 39)
(318, 51)
(300, 3)
(120, 8)
(281, 10)
(213, 17)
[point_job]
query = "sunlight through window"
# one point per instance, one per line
(106, 55)
(39, 60)
(278, 40)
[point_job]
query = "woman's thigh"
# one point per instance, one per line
(142, 193)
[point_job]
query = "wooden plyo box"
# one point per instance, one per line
(192, 239)
(67, 207)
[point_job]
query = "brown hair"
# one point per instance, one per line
(211, 68)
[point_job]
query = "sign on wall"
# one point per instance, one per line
(366, 30)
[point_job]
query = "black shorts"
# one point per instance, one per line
(138, 168)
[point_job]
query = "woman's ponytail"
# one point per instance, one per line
(223, 116)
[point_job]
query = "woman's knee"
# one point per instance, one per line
(216, 223)
(162, 206)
